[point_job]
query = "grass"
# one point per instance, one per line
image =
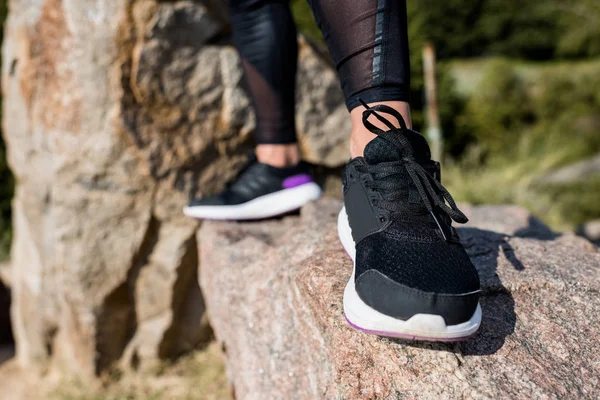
(521, 121)
(199, 375)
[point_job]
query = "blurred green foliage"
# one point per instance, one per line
(6, 178)
(522, 29)
(550, 30)
(519, 107)
(521, 122)
(6, 191)
(518, 97)
(305, 20)
(513, 28)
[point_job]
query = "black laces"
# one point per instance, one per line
(430, 189)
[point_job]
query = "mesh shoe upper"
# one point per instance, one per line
(431, 266)
(408, 257)
(255, 180)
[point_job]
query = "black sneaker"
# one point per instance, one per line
(259, 191)
(412, 278)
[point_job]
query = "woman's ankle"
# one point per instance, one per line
(361, 136)
(278, 155)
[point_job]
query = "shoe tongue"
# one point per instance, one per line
(380, 150)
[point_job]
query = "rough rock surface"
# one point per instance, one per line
(581, 171)
(274, 289)
(115, 113)
(591, 230)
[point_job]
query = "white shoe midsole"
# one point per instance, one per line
(364, 317)
(265, 206)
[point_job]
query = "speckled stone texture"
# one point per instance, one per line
(274, 289)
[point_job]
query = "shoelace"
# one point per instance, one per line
(428, 187)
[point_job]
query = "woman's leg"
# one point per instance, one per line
(276, 182)
(368, 42)
(412, 278)
(264, 33)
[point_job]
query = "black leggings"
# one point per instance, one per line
(367, 40)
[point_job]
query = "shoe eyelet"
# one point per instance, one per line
(382, 219)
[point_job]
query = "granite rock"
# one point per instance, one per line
(273, 291)
(581, 171)
(115, 113)
(590, 230)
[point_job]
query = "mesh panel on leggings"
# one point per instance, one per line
(368, 42)
(265, 35)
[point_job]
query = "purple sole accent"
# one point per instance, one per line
(348, 254)
(402, 336)
(406, 336)
(296, 180)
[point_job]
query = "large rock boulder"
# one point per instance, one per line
(274, 295)
(115, 112)
(590, 230)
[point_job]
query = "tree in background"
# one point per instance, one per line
(512, 28)
(580, 25)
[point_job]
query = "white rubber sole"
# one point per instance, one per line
(419, 327)
(266, 206)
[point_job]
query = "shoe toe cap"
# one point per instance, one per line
(400, 301)
(402, 278)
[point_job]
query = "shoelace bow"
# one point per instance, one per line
(429, 188)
